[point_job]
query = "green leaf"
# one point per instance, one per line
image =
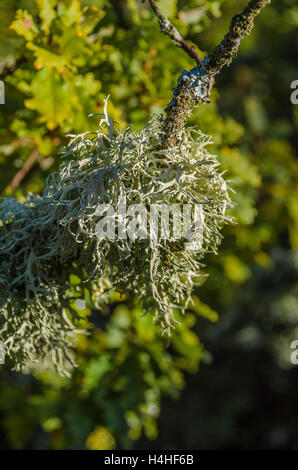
(24, 25)
(70, 16)
(46, 58)
(47, 13)
(168, 7)
(203, 310)
(51, 98)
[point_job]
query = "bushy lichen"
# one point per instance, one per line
(46, 239)
(196, 82)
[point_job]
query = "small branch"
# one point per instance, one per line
(170, 30)
(20, 175)
(241, 26)
(11, 70)
(123, 13)
(194, 87)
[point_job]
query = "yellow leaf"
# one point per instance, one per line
(24, 25)
(47, 13)
(100, 439)
(203, 310)
(45, 58)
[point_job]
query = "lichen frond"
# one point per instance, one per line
(44, 240)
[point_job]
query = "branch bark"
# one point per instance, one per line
(20, 175)
(123, 13)
(11, 70)
(241, 26)
(194, 86)
(170, 30)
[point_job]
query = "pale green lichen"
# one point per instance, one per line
(196, 82)
(46, 239)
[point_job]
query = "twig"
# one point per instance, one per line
(170, 30)
(241, 26)
(20, 175)
(194, 87)
(11, 70)
(123, 13)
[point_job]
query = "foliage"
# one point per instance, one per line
(252, 285)
(44, 241)
(123, 369)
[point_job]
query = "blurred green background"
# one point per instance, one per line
(225, 380)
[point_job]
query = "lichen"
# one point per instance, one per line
(45, 240)
(196, 83)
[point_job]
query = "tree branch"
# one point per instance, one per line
(241, 26)
(20, 175)
(170, 30)
(194, 87)
(123, 13)
(11, 70)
